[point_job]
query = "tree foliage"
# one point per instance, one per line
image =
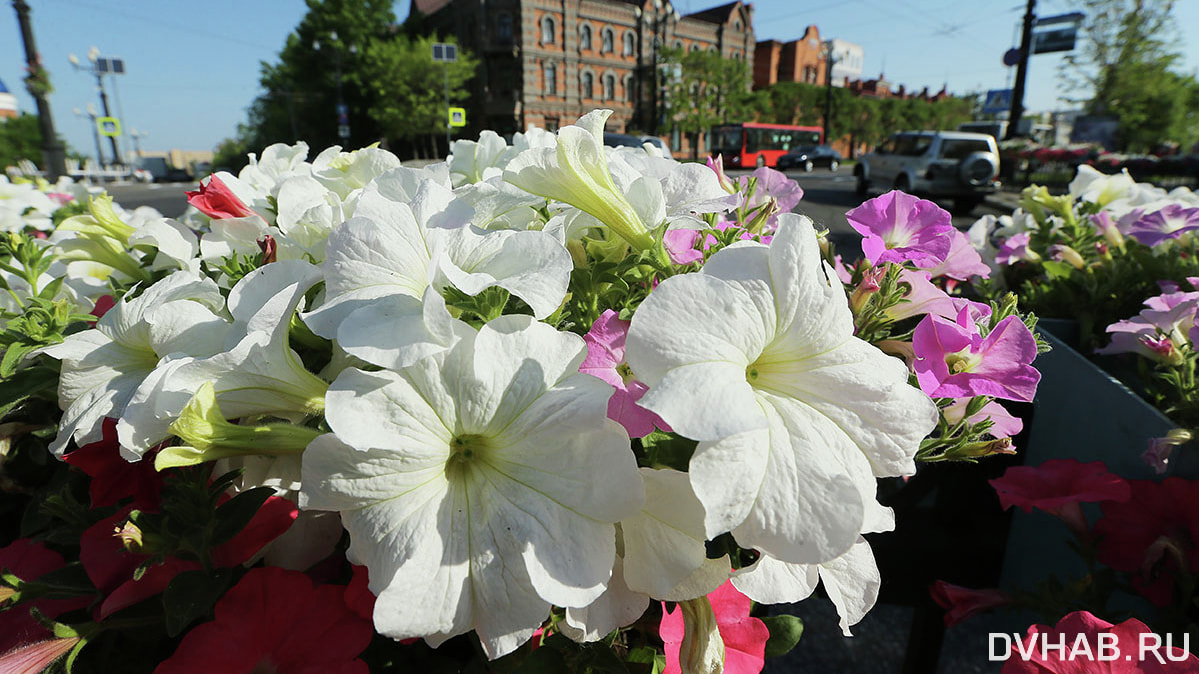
(20, 138)
(389, 86)
(702, 89)
(1125, 68)
(856, 119)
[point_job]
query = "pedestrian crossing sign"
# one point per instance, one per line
(457, 116)
(108, 126)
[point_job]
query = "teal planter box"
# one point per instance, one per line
(1080, 412)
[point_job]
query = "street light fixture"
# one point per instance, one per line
(447, 54)
(99, 67)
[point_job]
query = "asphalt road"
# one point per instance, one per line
(827, 196)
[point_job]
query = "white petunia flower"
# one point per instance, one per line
(479, 487)
(103, 368)
(256, 373)
(755, 357)
(469, 159)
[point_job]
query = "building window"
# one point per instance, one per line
(628, 44)
(585, 37)
(695, 47)
(551, 79)
(551, 124)
(547, 30)
(609, 87)
(678, 44)
(607, 43)
(736, 25)
(503, 27)
(588, 85)
(628, 89)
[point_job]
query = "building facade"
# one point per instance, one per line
(8, 103)
(547, 62)
(801, 60)
(847, 61)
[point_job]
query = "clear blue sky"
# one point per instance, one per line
(192, 68)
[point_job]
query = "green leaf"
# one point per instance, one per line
(237, 512)
(785, 631)
(542, 661)
(1057, 270)
(191, 595)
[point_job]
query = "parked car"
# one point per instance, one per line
(627, 140)
(807, 157)
(177, 175)
(955, 164)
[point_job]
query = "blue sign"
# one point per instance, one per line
(997, 100)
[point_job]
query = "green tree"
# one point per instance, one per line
(20, 138)
(703, 89)
(408, 88)
(1124, 69)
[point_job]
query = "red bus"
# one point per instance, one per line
(751, 144)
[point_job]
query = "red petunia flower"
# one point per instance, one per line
(275, 620)
(1153, 535)
(217, 201)
(110, 565)
(961, 603)
(744, 637)
(30, 560)
(1080, 633)
(114, 478)
(1058, 487)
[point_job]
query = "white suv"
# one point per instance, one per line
(956, 164)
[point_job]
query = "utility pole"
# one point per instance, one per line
(829, 61)
(1021, 72)
(98, 69)
(53, 155)
(446, 53)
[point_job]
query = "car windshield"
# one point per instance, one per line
(962, 148)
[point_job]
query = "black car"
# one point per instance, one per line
(807, 157)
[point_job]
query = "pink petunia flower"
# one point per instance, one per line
(921, 297)
(680, 245)
(898, 227)
(275, 620)
(962, 603)
(953, 360)
(217, 201)
(962, 261)
(775, 185)
(1038, 654)
(1003, 424)
(744, 637)
(1167, 223)
(717, 164)
(1015, 249)
(1058, 487)
(605, 360)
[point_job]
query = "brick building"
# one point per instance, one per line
(547, 62)
(801, 60)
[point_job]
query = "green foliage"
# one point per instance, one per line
(785, 631)
(703, 89)
(20, 138)
(1125, 68)
(408, 87)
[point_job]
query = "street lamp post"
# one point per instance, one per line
(93, 56)
(343, 113)
(91, 116)
(53, 154)
(447, 54)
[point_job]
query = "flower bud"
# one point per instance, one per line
(1063, 253)
(702, 650)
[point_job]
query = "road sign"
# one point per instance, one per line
(1011, 57)
(108, 65)
(457, 116)
(1057, 39)
(108, 126)
(997, 100)
(1072, 17)
(446, 52)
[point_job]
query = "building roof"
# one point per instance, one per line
(716, 14)
(427, 7)
(3, 89)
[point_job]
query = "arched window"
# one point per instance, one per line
(585, 36)
(551, 79)
(547, 30)
(609, 87)
(678, 44)
(607, 41)
(587, 86)
(503, 27)
(628, 44)
(695, 47)
(737, 25)
(628, 89)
